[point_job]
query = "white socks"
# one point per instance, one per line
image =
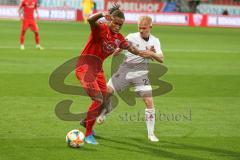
(150, 120)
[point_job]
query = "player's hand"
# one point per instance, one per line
(107, 16)
(146, 54)
(151, 49)
(20, 18)
(117, 52)
(114, 7)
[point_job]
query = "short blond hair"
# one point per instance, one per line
(146, 19)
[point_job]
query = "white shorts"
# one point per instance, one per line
(125, 77)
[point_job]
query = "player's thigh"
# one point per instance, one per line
(33, 26)
(25, 25)
(118, 82)
(144, 89)
(90, 85)
(142, 86)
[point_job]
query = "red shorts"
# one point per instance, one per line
(93, 83)
(29, 24)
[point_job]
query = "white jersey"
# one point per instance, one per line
(141, 44)
(134, 69)
(137, 65)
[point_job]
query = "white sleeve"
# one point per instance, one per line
(158, 47)
(129, 37)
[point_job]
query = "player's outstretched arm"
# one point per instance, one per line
(158, 57)
(36, 10)
(117, 52)
(145, 54)
(20, 10)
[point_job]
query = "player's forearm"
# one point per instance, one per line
(93, 18)
(20, 7)
(37, 13)
(20, 12)
(157, 57)
(134, 50)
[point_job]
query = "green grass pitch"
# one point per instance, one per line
(204, 68)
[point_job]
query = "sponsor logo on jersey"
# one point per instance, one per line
(30, 4)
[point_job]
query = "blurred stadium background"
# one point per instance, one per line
(220, 13)
(198, 120)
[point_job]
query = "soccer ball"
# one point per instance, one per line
(75, 138)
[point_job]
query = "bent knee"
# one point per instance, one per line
(149, 102)
(98, 99)
(110, 90)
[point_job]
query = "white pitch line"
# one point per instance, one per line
(167, 50)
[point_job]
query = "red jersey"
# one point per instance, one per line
(102, 43)
(28, 8)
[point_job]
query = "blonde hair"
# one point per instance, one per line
(146, 19)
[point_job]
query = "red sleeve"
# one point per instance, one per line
(98, 30)
(21, 4)
(124, 44)
(36, 5)
(99, 27)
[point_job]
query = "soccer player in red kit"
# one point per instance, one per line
(28, 7)
(103, 41)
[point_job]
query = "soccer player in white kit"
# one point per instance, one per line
(134, 70)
